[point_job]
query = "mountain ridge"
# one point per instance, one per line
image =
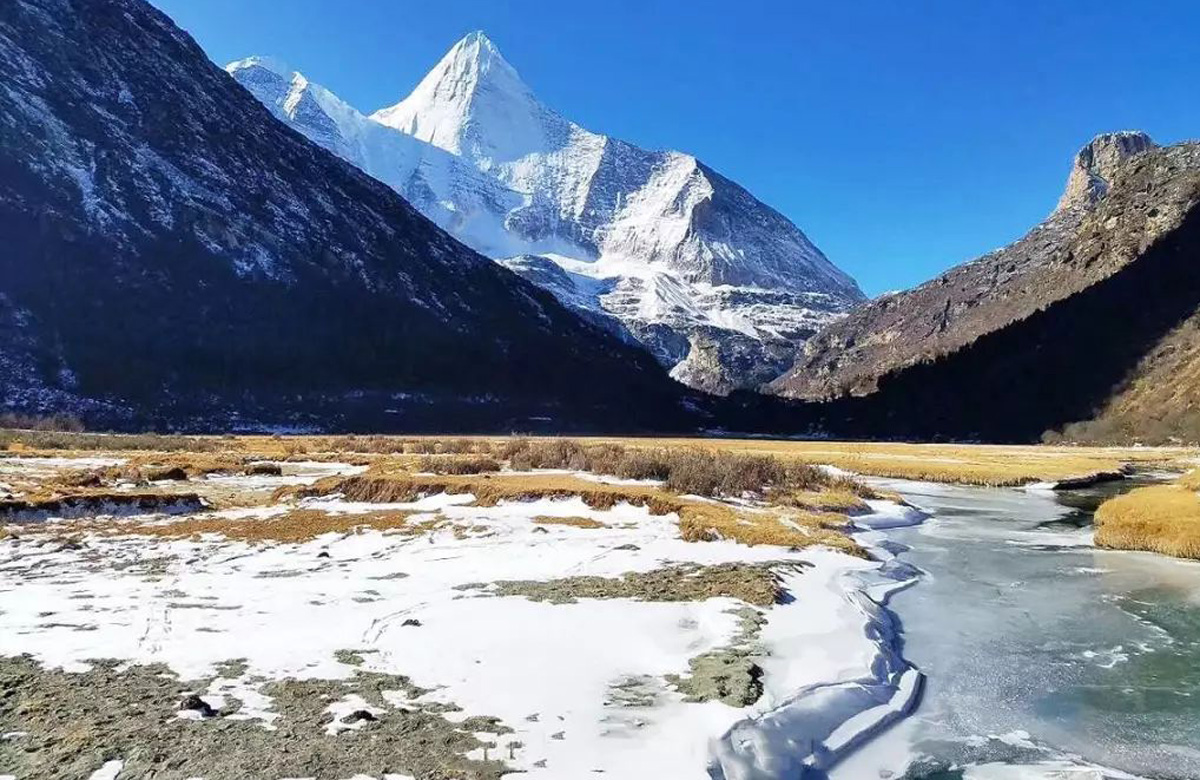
(688, 258)
(1046, 334)
(178, 258)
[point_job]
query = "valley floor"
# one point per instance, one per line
(347, 607)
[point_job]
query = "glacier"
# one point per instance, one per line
(653, 245)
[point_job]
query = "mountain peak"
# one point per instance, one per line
(473, 103)
(1097, 163)
(478, 44)
(272, 64)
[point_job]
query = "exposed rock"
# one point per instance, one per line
(1038, 334)
(194, 703)
(1097, 164)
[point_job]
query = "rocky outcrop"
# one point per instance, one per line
(1097, 164)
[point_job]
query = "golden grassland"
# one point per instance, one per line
(995, 465)
(970, 464)
(792, 504)
(1161, 518)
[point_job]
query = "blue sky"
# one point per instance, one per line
(904, 138)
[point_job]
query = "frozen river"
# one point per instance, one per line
(1044, 656)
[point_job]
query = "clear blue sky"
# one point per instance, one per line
(904, 138)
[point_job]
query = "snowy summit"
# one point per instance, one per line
(654, 245)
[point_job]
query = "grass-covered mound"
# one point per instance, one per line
(1162, 518)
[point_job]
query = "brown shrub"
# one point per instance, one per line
(527, 454)
(67, 440)
(55, 422)
(635, 464)
(705, 473)
(473, 464)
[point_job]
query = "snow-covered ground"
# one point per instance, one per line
(584, 686)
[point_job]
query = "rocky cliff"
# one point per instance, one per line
(1047, 331)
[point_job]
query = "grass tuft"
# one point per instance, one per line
(1162, 518)
(293, 527)
(575, 522)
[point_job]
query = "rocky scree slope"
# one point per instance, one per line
(174, 255)
(718, 286)
(1049, 330)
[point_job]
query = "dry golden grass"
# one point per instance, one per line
(1162, 518)
(295, 526)
(457, 464)
(994, 465)
(965, 464)
(833, 500)
(575, 522)
(1190, 480)
(398, 486)
(698, 520)
(704, 522)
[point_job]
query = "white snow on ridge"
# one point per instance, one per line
(679, 246)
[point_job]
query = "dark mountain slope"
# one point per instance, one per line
(173, 254)
(1045, 332)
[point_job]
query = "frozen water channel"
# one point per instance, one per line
(1044, 657)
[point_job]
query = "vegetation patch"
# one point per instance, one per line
(143, 468)
(17, 439)
(458, 464)
(293, 527)
(574, 522)
(1190, 480)
(756, 583)
(831, 500)
(1162, 518)
(728, 674)
(711, 522)
(699, 520)
(690, 470)
(990, 465)
(35, 508)
(67, 725)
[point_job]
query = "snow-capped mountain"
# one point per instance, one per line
(716, 284)
(175, 257)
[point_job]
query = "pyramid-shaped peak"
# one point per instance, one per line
(479, 41)
(475, 58)
(472, 102)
